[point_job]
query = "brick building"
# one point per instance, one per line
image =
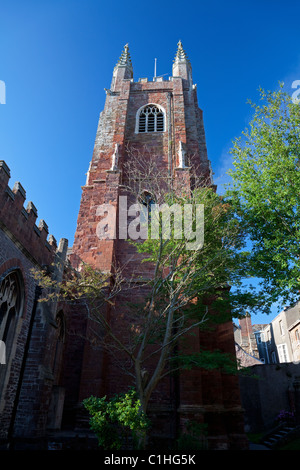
(163, 117)
(246, 347)
(279, 340)
(30, 331)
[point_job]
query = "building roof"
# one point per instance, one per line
(259, 326)
(244, 359)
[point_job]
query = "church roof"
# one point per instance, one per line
(245, 359)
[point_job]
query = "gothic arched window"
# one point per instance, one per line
(151, 118)
(146, 199)
(11, 296)
(11, 305)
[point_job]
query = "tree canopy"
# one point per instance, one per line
(265, 195)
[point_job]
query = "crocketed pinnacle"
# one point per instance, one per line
(125, 60)
(181, 55)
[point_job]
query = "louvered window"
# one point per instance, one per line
(151, 119)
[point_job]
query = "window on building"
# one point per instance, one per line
(258, 338)
(146, 199)
(283, 353)
(11, 305)
(281, 327)
(297, 336)
(273, 357)
(151, 118)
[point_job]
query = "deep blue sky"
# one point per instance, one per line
(58, 56)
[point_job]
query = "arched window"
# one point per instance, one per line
(11, 305)
(151, 118)
(146, 199)
(11, 296)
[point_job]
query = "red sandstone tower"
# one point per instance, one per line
(162, 116)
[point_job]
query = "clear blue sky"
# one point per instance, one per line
(58, 56)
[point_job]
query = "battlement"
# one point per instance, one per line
(19, 223)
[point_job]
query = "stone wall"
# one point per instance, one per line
(26, 377)
(270, 389)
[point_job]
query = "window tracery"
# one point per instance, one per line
(151, 118)
(10, 304)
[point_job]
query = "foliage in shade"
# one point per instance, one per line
(116, 420)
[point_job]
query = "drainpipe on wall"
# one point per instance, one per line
(170, 137)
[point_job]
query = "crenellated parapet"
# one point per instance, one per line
(19, 222)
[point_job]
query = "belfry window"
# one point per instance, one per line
(151, 118)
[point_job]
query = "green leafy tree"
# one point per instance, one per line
(265, 194)
(117, 420)
(187, 286)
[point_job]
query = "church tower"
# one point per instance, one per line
(159, 115)
(163, 117)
